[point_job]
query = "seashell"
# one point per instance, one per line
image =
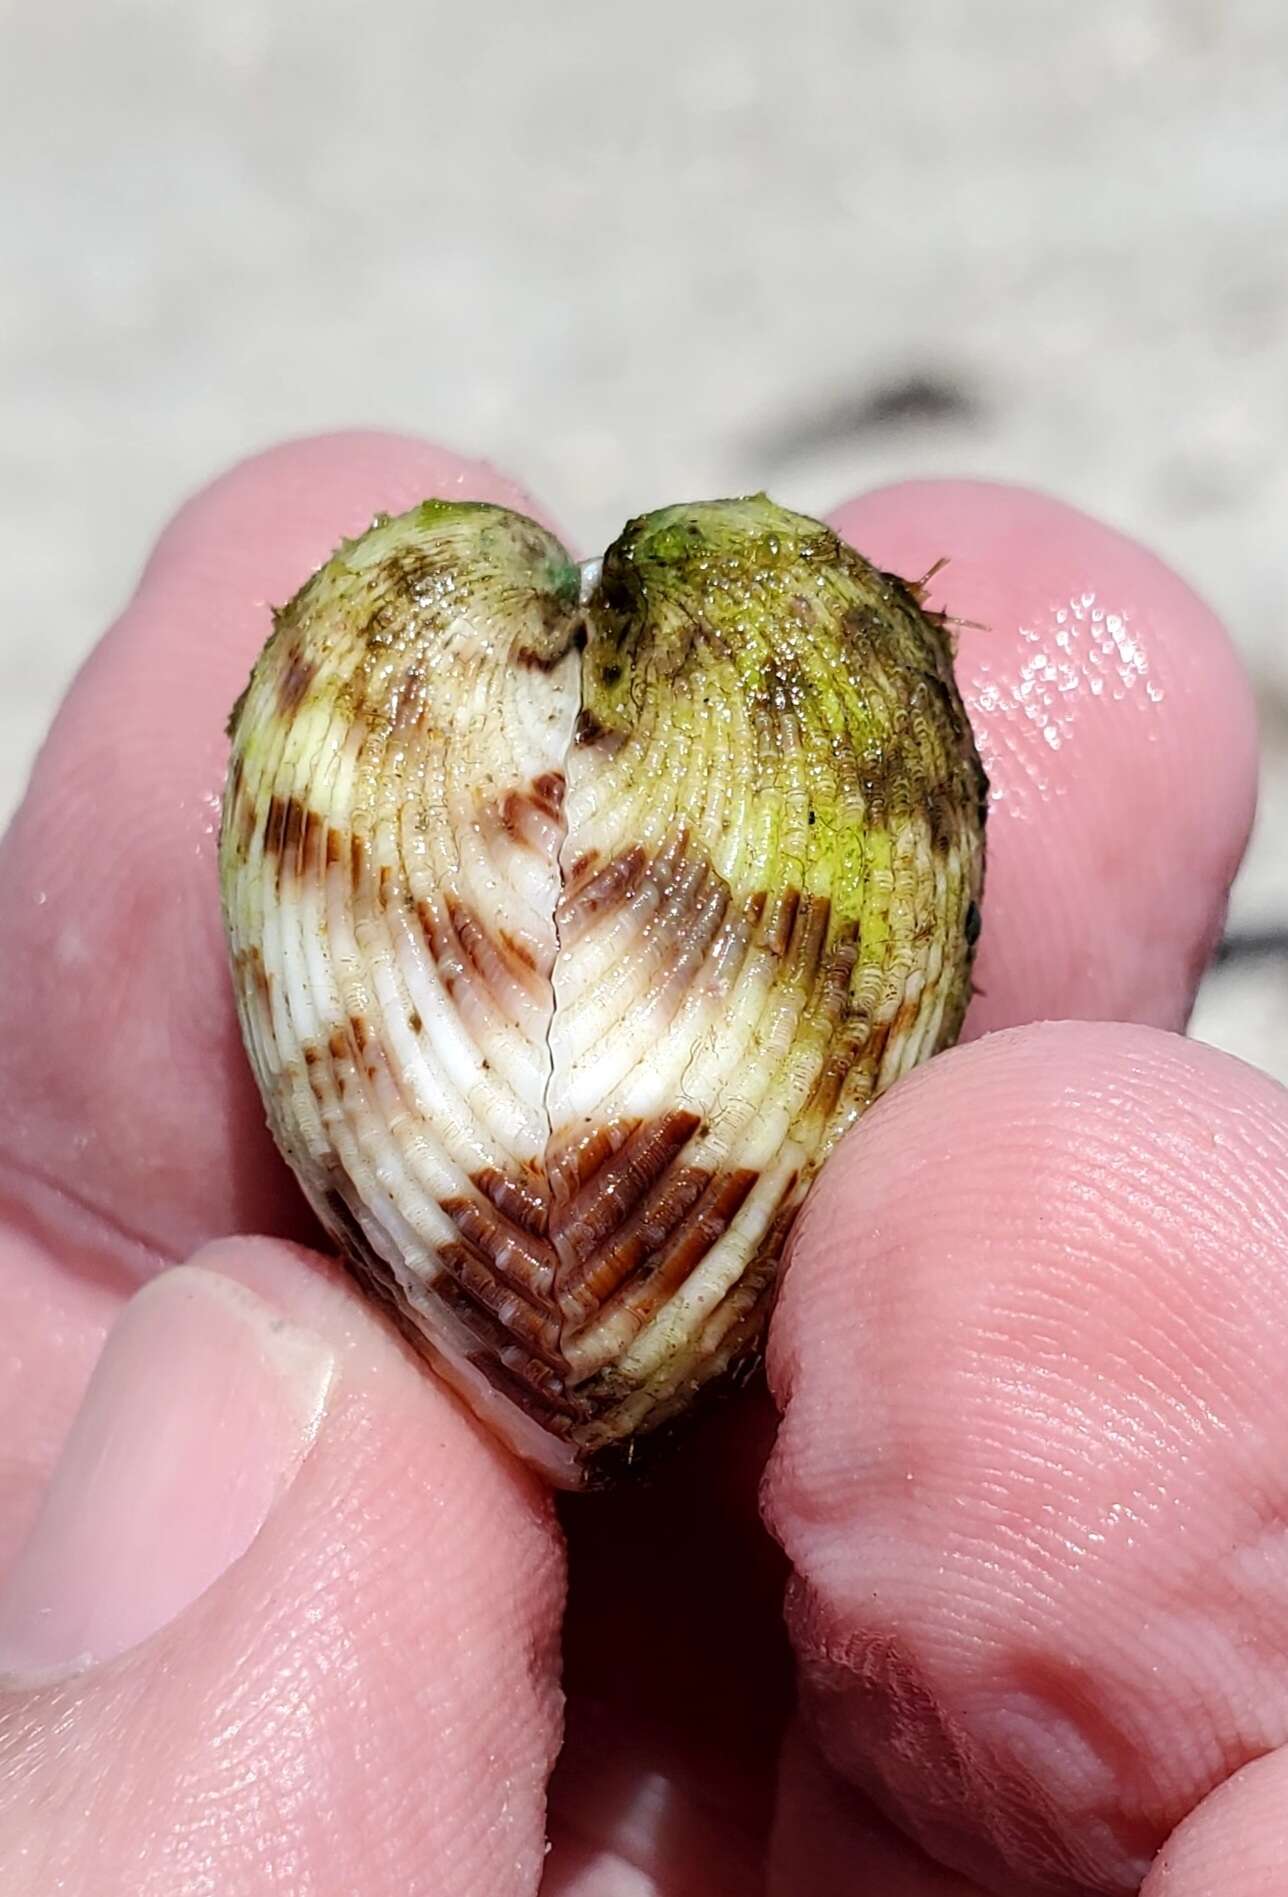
(574, 915)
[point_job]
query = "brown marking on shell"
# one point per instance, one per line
(585, 1287)
(522, 1355)
(513, 809)
(609, 888)
(573, 1158)
(781, 922)
(274, 825)
(608, 1195)
(580, 872)
(881, 1033)
(520, 950)
(251, 961)
(548, 792)
(670, 1264)
(459, 1287)
(247, 818)
(292, 833)
(525, 1201)
(905, 1016)
(872, 1044)
(522, 1325)
(782, 686)
(528, 820)
(831, 1005)
(463, 949)
(313, 847)
(293, 682)
(942, 818)
(528, 659)
(529, 816)
(513, 1292)
(536, 1385)
(809, 933)
(702, 907)
(728, 952)
(537, 1391)
(661, 1246)
(683, 904)
(488, 955)
(409, 699)
(434, 929)
(590, 730)
(631, 1220)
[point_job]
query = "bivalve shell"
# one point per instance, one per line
(575, 914)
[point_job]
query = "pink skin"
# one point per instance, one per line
(1031, 1354)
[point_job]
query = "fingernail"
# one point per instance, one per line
(198, 1415)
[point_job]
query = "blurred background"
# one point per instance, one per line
(639, 253)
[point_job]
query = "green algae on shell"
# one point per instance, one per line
(575, 914)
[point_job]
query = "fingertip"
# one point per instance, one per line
(1030, 1350)
(1237, 1839)
(366, 1687)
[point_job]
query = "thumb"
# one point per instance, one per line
(1236, 1840)
(287, 1619)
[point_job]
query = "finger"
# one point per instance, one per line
(1237, 1840)
(1118, 731)
(1032, 1354)
(124, 1082)
(286, 1621)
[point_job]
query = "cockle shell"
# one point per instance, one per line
(575, 913)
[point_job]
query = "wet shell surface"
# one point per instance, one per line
(575, 913)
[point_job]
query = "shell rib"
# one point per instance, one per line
(569, 933)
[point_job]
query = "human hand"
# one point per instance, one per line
(288, 1620)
